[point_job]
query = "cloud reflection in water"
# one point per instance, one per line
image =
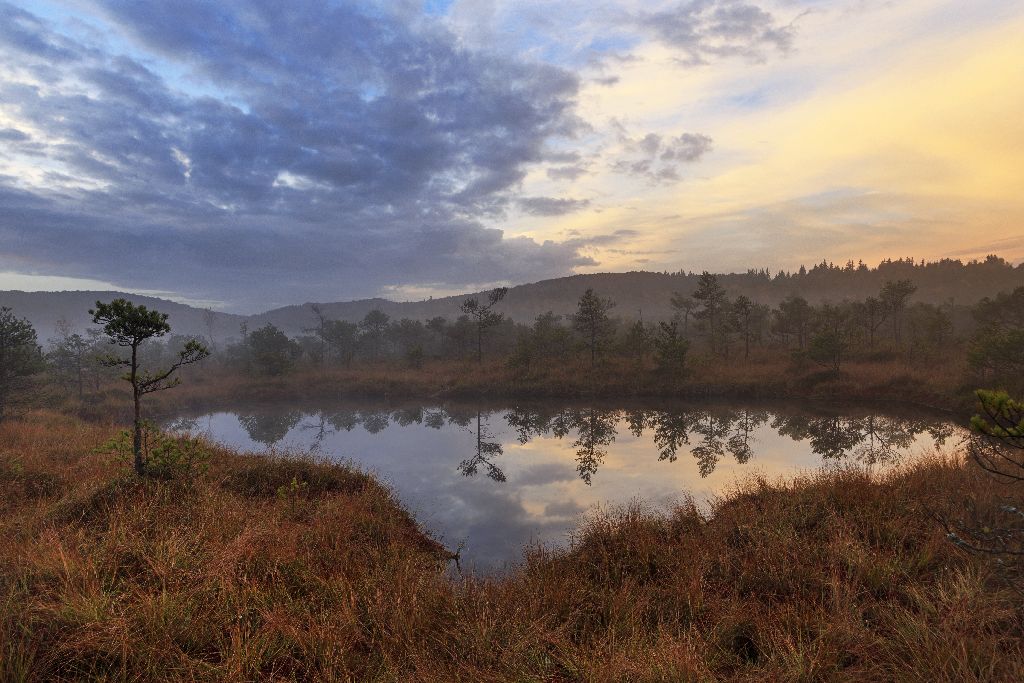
(499, 479)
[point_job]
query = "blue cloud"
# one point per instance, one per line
(350, 148)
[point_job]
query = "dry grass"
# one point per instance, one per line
(766, 375)
(269, 569)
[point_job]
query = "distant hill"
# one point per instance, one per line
(634, 292)
(46, 309)
(649, 293)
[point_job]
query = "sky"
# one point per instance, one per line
(245, 155)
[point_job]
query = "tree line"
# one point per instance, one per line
(707, 326)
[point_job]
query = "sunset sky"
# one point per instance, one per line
(250, 154)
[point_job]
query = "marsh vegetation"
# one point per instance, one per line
(300, 515)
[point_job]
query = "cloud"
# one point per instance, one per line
(852, 223)
(566, 172)
(543, 474)
(564, 508)
(702, 30)
(687, 147)
(330, 150)
(656, 157)
(12, 135)
(551, 206)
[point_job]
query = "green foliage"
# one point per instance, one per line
(292, 492)
(70, 358)
(163, 456)
(748, 319)
(714, 306)
(998, 448)
(341, 337)
(930, 328)
(1002, 417)
(482, 315)
(272, 351)
(592, 322)
(638, 342)
(1005, 311)
(894, 296)
(127, 324)
(371, 331)
(545, 341)
(828, 348)
(20, 356)
(998, 346)
(684, 307)
(794, 318)
(338, 338)
(670, 350)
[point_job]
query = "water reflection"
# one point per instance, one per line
(497, 478)
(486, 451)
(870, 439)
(706, 434)
(269, 428)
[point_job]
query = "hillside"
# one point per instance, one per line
(46, 309)
(634, 292)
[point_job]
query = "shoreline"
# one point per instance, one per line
(893, 387)
(262, 567)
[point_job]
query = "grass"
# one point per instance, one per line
(289, 569)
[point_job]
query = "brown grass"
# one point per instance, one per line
(767, 375)
(271, 569)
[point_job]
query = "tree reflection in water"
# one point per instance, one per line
(706, 434)
(485, 451)
(269, 428)
(871, 439)
(595, 430)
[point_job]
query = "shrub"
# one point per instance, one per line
(163, 456)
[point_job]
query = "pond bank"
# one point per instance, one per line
(258, 569)
(933, 387)
(492, 476)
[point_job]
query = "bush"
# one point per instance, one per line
(164, 456)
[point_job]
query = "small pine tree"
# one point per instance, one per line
(592, 322)
(128, 326)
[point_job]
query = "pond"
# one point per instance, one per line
(493, 478)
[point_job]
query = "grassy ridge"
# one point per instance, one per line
(264, 568)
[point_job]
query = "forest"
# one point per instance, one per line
(713, 341)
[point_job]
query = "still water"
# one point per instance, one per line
(495, 478)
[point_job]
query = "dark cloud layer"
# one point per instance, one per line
(345, 148)
(260, 152)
